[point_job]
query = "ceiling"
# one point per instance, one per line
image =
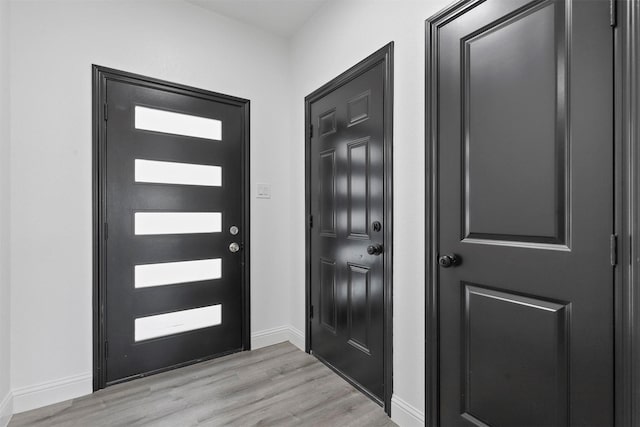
(282, 17)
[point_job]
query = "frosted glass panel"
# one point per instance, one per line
(177, 123)
(168, 273)
(177, 173)
(179, 321)
(177, 222)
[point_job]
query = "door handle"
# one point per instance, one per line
(375, 249)
(447, 261)
(234, 247)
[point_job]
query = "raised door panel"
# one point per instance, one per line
(515, 369)
(359, 307)
(515, 143)
(328, 309)
(358, 184)
(358, 108)
(327, 122)
(327, 193)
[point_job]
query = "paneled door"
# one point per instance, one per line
(174, 226)
(348, 244)
(523, 259)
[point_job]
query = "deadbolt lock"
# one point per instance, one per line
(234, 247)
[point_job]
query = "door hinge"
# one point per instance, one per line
(106, 111)
(613, 12)
(310, 131)
(311, 312)
(106, 349)
(106, 230)
(310, 221)
(613, 250)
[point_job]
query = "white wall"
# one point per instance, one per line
(53, 45)
(336, 38)
(5, 403)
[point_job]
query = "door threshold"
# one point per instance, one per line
(172, 367)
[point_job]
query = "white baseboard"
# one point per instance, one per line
(296, 337)
(269, 337)
(404, 414)
(277, 335)
(50, 392)
(6, 410)
(37, 396)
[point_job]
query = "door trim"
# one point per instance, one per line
(627, 178)
(100, 75)
(385, 56)
(626, 63)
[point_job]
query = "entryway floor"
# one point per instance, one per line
(273, 386)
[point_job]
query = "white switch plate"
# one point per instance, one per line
(264, 191)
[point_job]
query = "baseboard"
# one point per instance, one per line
(296, 337)
(6, 409)
(48, 393)
(269, 337)
(404, 414)
(277, 335)
(44, 394)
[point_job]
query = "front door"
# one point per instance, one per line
(523, 138)
(174, 215)
(347, 238)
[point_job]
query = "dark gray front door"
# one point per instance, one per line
(524, 143)
(174, 212)
(347, 242)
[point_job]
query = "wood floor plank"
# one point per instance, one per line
(273, 386)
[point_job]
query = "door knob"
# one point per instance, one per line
(447, 261)
(375, 249)
(234, 247)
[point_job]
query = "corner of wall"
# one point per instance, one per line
(404, 414)
(6, 409)
(50, 392)
(296, 337)
(6, 400)
(277, 335)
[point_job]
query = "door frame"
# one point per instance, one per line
(384, 56)
(625, 19)
(100, 76)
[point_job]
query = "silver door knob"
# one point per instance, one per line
(234, 247)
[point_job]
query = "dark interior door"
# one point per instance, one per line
(525, 195)
(347, 247)
(174, 212)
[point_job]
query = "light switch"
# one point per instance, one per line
(264, 191)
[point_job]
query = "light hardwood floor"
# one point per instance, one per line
(273, 386)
